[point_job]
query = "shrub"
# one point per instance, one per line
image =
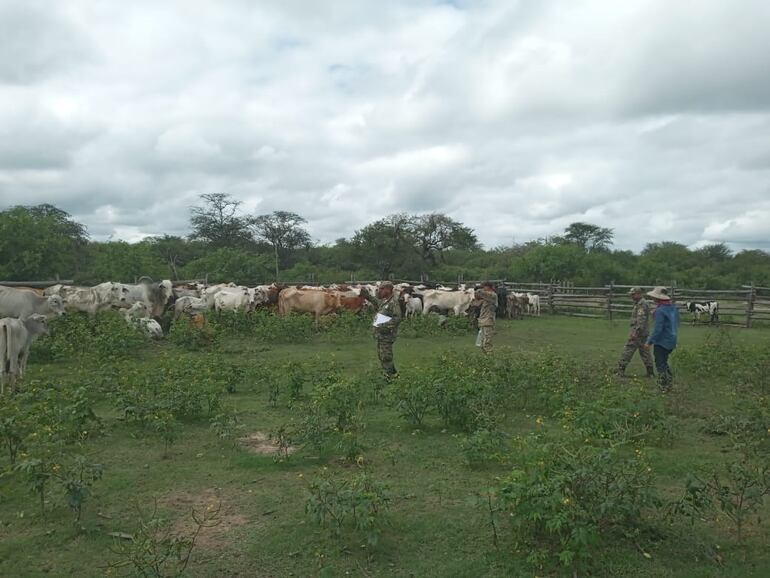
(566, 500)
(189, 335)
(105, 336)
(155, 550)
(737, 491)
(624, 415)
(358, 502)
(486, 445)
(411, 396)
(76, 479)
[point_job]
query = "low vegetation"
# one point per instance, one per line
(532, 461)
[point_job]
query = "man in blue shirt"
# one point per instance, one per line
(663, 336)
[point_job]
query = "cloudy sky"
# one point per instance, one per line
(515, 117)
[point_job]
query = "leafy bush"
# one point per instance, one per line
(76, 479)
(625, 415)
(411, 395)
(737, 491)
(358, 502)
(566, 501)
(484, 446)
(105, 336)
(154, 549)
(192, 336)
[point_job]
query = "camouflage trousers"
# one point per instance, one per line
(487, 333)
(385, 353)
(632, 345)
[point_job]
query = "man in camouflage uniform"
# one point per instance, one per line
(637, 337)
(486, 299)
(385, 335)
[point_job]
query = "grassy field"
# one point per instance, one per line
(436, 524)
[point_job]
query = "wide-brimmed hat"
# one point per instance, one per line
(635, 290)
(660, 293)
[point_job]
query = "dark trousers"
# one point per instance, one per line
(665, 377)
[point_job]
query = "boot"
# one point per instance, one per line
(650, 372)
(620, 372)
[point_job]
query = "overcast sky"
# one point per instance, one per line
(516, 118)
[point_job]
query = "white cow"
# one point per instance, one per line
(210, 292)
(111, 294)
(233, 300)
(16, 337)
(138, 315)
(413, 306)
(533, 305)
(457, 301)
(85, 299)
(21, 304)
(154, 295)
(189, 305)
(149, 327)
(190, 290)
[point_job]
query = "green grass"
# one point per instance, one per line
(435, 527)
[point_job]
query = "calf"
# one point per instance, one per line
(188, 306)
(16, 337)
(533, 304)
(710, 308)
(21, 304)
(517, 303)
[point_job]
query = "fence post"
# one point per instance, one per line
(609, 301)
(551, 299)
(750, 306)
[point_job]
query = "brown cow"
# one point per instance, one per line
(351, 302)
(306, 301)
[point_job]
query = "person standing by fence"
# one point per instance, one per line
(486, 299)
(664, 335)
(637, 337)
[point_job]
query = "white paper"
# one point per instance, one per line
(380, 319)
(478, 339)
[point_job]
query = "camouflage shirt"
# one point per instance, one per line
(640, 317)
(392, 309)
(488, 302)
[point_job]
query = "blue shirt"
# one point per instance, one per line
(666, 319)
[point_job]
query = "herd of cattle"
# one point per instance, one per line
(146, 302)
(24, 311)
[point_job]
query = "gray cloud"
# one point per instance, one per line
(515, 118)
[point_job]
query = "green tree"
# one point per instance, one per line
(175, 252)
(436, 233)
(387, 245)
(589, 237)
(40, 242)
(218, 223)
(284, 231)
(228, 264)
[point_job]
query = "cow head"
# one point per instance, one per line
(37, 324)
(166, 291)
(56, 304)
(119, 293)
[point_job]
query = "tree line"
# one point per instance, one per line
(43, 242)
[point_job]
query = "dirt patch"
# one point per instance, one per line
(260, 443)
(214, 537)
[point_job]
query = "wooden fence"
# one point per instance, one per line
(740, 307)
